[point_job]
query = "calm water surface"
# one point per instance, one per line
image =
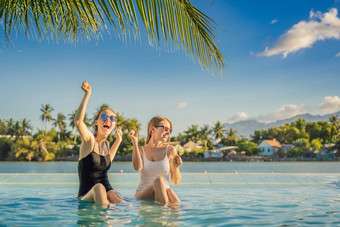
(225, 199)
(187, 167)
(202, 205)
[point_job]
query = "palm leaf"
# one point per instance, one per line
(177, 23)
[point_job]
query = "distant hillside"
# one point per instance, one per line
(246, 128)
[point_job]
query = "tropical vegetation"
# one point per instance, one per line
(18, 142)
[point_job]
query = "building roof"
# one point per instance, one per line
(273, 143)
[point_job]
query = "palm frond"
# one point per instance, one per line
(176, 22)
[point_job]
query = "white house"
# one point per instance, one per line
(269, 147)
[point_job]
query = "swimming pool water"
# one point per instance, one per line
(207, 200)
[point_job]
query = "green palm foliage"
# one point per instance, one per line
(10, 128)
(204, 135)
(26, 127)
(120, 121)
(17, 129)
(192, 133)
(3, 130)
(73, 126)
(127, 124)
(133, 123)
(231, 139)
(46, 114)
(175, 22)
(218, 130)
(60, 124)
(335, 124)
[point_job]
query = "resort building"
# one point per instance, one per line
(178, 146)
(269, 147)
(327, 152)
(221, 152)
(182, 146)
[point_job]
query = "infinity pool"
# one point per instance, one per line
(207, 199)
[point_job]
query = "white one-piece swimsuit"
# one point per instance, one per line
(152, 170)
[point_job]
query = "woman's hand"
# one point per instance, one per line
(119, 135)
(177, 161)
(86, 87)
(134, 136)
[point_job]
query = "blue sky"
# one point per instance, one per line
(299, 72)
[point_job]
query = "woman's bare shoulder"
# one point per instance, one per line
(86, 147)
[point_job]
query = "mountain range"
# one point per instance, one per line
(247, 127)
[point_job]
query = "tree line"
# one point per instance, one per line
(18, 142)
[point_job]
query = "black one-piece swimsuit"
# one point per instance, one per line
(92, 170)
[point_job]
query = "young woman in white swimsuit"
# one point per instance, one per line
(155, 161)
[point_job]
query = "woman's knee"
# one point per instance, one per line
(159, 182)
(99, 188)
(169, 191)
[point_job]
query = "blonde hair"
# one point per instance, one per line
(96, 118)
(155, 121)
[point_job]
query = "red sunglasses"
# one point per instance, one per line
(165, 129)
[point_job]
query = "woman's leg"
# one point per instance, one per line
(172, 196)
(156, 190)
(97, 194)
(113, 197)
(148, 192)
(160, 191)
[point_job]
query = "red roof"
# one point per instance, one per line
(274, 143)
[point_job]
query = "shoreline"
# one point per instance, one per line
(201, 159)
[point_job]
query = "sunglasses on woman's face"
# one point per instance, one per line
(104, 117)
(165, 129)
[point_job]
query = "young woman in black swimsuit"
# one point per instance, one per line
(95, 154)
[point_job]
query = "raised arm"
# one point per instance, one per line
(80, 115)
(175, 162)
(137, 161)
(114, 148)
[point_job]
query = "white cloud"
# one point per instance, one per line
(240, 116)
(305, 33)
(337, 55)
(285, 111)
(330, 104)
(274, 21)
(181, 105)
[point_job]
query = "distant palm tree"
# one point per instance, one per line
(10, 128)
(177, 23)
(3, 130)
(121, 122)
(335, 123)
(133, 124)
(26, 127)
(73, 126)
(46, 115)
(231, 138)
(17, 129)
(60, 123)
(192, 133)
(218, 130)
(204, 135)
